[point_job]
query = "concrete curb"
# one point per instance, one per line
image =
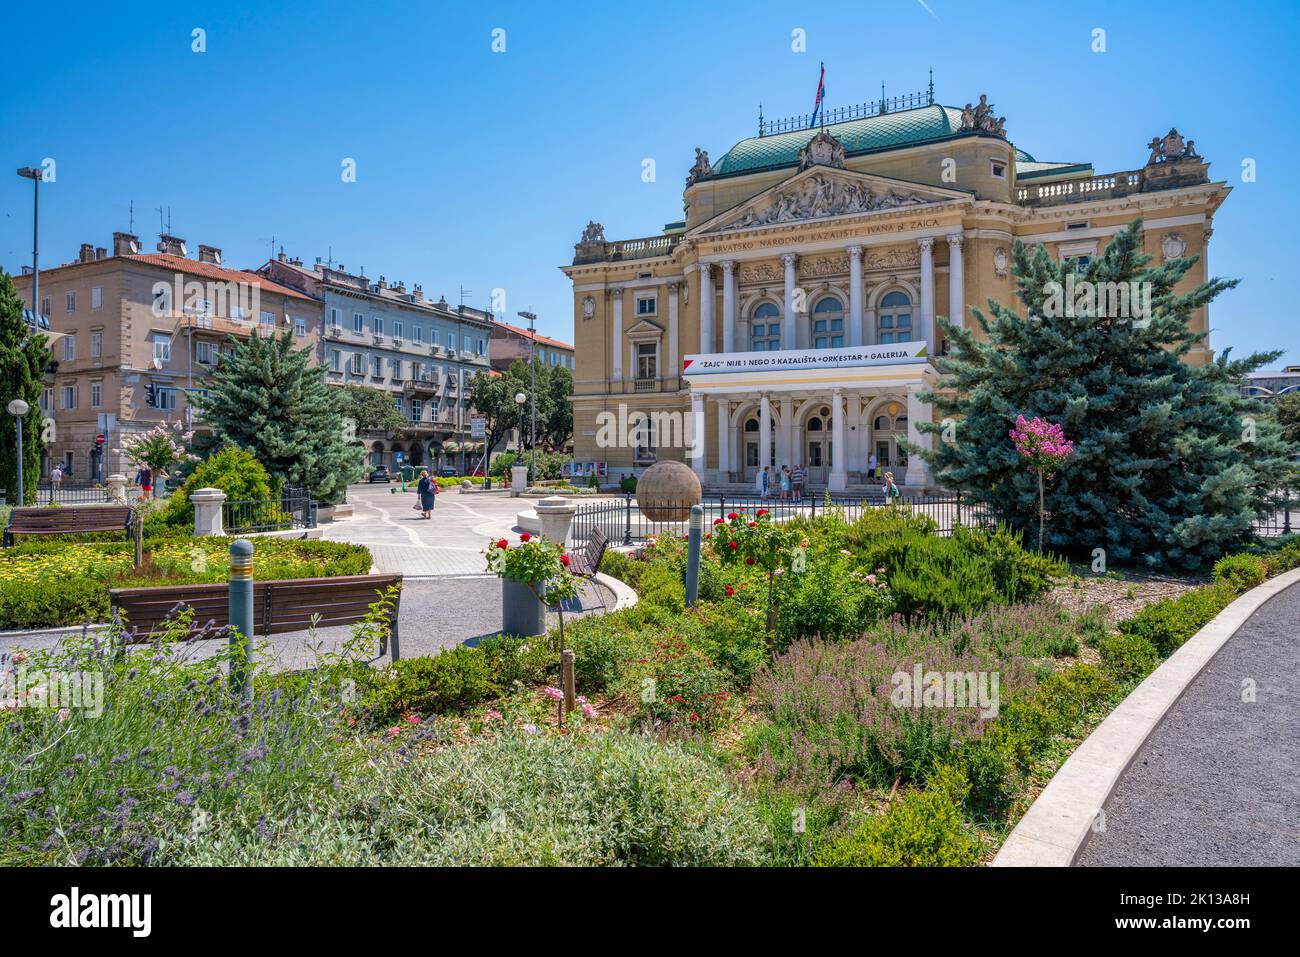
(1057, 825)
(624, 595)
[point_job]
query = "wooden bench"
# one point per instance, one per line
(278, 606)
(586, 560)
(69, 520)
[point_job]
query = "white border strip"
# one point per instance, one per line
(1057, 824)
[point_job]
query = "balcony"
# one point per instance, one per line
(420, 388)
(1156, 176)
(647, 247)
(218, 325)
(647, 385)
(334, 332)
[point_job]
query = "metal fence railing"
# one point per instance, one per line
(623, 521)
(1283, 517)
(293, 509)
(74, 493)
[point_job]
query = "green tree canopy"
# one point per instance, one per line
(269, 400)
(1171, 463)
(24, 357)
(371, 410)
(493, 396)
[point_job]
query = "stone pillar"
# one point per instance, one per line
(785, 447)
(918, 470)
(724, 439)
(555, 513)
(839, 478)
(729, 306)
(764, 431)
(616, 373)
(673, 360)
(956, 282)
(855, 296)
(788, 319)
(207, 511)
(853, 429)
(927, 291)
(697, 435)
(117, 488)
(706, 309)
(518, 479)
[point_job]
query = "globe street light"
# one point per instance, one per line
(18, 408)
(520, 399)
(532, 371)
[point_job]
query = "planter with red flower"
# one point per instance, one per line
(534, 574)
(759, 543)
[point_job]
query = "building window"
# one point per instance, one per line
(417, 410)
(68, 397)
(376, 367)
(998, 169)
(466, 343)
(828, 323)
(96, 394)
(894, 322)
(165, 398)
(69, 347)
(203, 353)
(765, 328)
(397, 401)
(1077, 263)
(358, 322)
(68, 459)
(268, 318)
(395, 365)
(397, 329)
(47, 400)
(96, 297)
(70, 301)
(482, 347)
(336, 359)
(418, 333)
(45, 305)
(645, 306)
(644, 442)
(647, 360)
(358, 363)
(96, 344)
(378, 324)
(335, 318)
(162, 348)
(300, 327)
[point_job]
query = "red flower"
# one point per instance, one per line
(524, 536)
(695, 716)
(732, 545)
(564, 560)
(749, 561)
(730, 591)
(732, 516)
(761, 512)
(752, 524)
(502, 544)
(717, 521)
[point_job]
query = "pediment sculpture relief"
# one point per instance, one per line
(820, 196)
(980, 118)
(819, 266)
(822, 150)
(1171, 148)
(762, 272)
(894, 257)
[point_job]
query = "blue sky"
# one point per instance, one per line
(479, 169)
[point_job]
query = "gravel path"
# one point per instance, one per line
(1216, 784)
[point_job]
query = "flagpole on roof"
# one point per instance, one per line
(822, 113)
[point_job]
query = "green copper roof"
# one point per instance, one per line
(886, 131)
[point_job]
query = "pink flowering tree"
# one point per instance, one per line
(158, 448)
(1044, 448)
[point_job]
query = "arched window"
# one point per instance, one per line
(751, 425)
(765, 328)
(814, 424)
(894, 322)
(828, 323)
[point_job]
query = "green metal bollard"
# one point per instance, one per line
(241, 619)
(693, 554)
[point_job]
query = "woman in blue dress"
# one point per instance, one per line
(427, 493)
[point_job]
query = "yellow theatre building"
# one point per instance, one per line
(790, 318)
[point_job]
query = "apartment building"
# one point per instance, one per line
(509, 343)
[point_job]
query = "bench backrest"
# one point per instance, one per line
(70, 518)
(597, 542)
(278, 606)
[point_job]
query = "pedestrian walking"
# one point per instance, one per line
(892, 491)
(796, 482)
(763, 483)
(785, 482)
(872, 464)
(144, 479)
(427, 491)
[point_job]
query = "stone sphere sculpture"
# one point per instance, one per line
(666, 491)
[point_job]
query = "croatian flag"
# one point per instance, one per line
(821, 92)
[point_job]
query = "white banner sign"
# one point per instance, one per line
(785, 360)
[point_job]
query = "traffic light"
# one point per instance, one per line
(151, 396)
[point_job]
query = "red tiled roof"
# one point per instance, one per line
(536, 336)
(208, 271)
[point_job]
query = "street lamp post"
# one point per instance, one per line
(30, 172)
(532, 372)
(520, 399)
(18, 408)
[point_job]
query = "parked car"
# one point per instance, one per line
(446, 472)
(380, 473)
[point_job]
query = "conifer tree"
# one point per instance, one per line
(24, 357)
(269, 400)
(1171, 465)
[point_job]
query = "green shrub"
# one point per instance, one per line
(231, 469)
(1284, 557)
(660, 585)
(924, 828)
(1242, 572)
(448, 681)
(49, 603)
(1167, 624)
(1030, 721)
(829, 601)
(1127, 656)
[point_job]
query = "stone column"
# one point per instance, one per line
(518, 479)
(956, 282)
(673, 360)
(853, 429)
(918, 470)
(706, 309)
(855, 296)
(927, 291)
(697, 434)
(116, 487)
(724, 439)
(764, 431)
(555, 514)
(839, 478)
(729, 306)
(786, 445)
(616, 373)
(207, 511)
(788, 318)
